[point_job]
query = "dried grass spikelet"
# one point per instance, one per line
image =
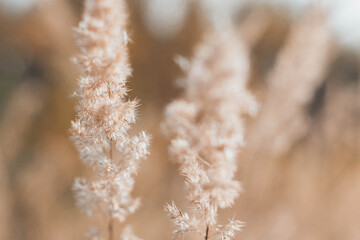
(206, 131)
(104, 113)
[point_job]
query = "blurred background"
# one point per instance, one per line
(300, 168)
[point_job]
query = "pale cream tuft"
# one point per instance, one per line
(206, 130)
(104, 113)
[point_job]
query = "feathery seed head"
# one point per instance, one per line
(206, 129)
(104, 115)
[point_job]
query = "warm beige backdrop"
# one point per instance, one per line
(300, 168)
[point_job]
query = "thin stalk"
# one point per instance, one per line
(207, 233)
(111, 229)
(111, 221)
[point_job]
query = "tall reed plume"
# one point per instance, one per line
(104, 115)
(206, 131)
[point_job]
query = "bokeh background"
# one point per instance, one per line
(300, 168)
